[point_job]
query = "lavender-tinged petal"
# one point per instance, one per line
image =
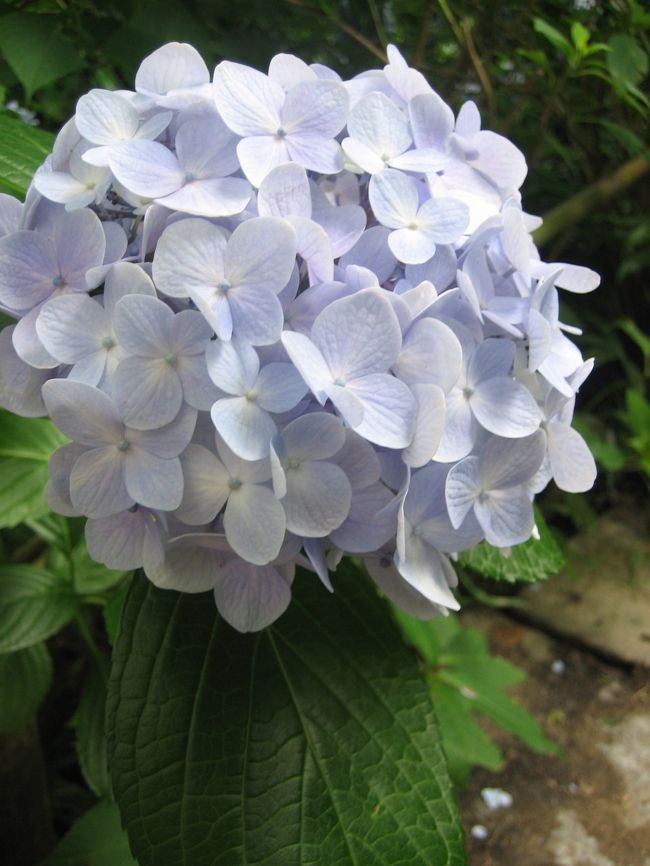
(370, 521)
(279, 387)
(504, 463)
(27, 344)
(256, 315)
(494, 357)
(144, 325)
(83, 413)
(173, 66)
(147, 392)
(344, 225)
(105, 117)
(97, 487)
(28, 265)
(572, 463)
(198, 389)
(168, 441)
(315, 436)
(125, 278)
(358, 459)
(317, 500)
(153, 481)
(245, 427)
(505, 407)
(211, 197)
(254, 523)
(358, 335)
(506, 517)
(57, 489)
(460, 431)
(315, 551)
(117, 541)
(250, 597)
(411, 245)
(313, 245)
(371, 251)
(190, 563)
(205, 489)
(20, 384)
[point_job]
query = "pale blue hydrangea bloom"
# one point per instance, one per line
(271, 349)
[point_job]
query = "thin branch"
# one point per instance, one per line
(368, 44)
(424, 35)
(480, 69)
(379, 24)
(581, 205)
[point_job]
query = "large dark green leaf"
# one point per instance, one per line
(22, 150)
(313, 742)
(25, 448)
(34, 604)
(91, 735)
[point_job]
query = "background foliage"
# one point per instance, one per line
(567, 82)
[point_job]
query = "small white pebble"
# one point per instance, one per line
(573, 788)
(558, 666)
(496, 798)
(478, 831)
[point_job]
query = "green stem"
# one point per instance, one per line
(496, 601)
(86, 633)
(379, 25)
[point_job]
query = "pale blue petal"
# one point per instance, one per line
(250, 597)
(573, 466)
(233, 366)
(147, 392)
(506, 517)
(279, 387)
(318, 498)
(462, 489)
(82, 412)
(97, 486)
(389, 410)
(505, 407)
(153, 481)
(254, 523)
(245, 427)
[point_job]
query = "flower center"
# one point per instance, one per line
(293, 464)
(234, 483)
(58, 281)
(280, 132)
(340, 382)
(123, 445)
(108, 343)
(223, 286)
(171, 359)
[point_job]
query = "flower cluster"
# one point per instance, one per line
(283, 318)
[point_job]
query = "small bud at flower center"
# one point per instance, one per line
(223, 286)
(234, 483)
(108, 343)
(171, 359)
(58, 281)
(123, 445)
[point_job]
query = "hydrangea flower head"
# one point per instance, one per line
(284, 318)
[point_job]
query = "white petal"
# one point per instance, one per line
(432, 121)
(371, 251)
(313, 245)
(379, 124)
(245, 427)
(431, 353)
(254, 523)
(144, 325)
(146, 168)
(117, 541)
(104, 117)
(423, 567)
(504, 463)
(506, 517)
(411, 245)
(248, 100)
(285, 192)
(389, 410)
(462, 489)
(370, 522)
(61, 187)
(443, 219)
(358, 459)
(27, 267)
(260, 154)
(190, 563)
(500, 160)
(261, 252)
(27, 344)
(233, 366)
(315, 107)
(460, 429)
(309, 362)
(205, 488)
(167, 441)
(58, 327)
(212, 197)
(315, 436)
(189, 256)
(344, 225)
(125, 278)
(429, 424)
(397, 590)
(358, 335)
(394, 198)
(362, 156)
(256, 315)
(574, 469)
(505, 407)
(173, 66)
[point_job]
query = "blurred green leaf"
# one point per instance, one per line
(25, 677)
(580, 36)
(91, 734)
(553, 36)
(25, 448)
(22, 149)
(95, 839)
(36, 50)
(626, 60)
(34, 604)
(526, 563)
(112, 610)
